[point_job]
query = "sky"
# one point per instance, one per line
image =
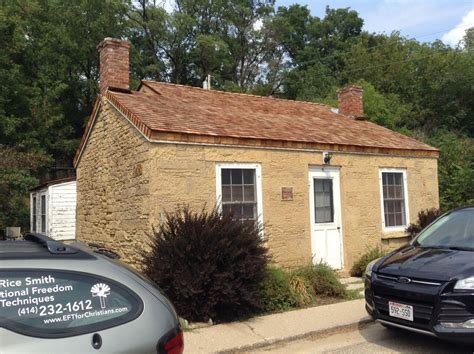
(424, 20)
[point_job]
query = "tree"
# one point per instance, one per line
(16, 179)
(317, 48)
(469, 40)
(48, 78)
(456, 169)
(200, 38)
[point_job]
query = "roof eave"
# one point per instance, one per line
(87, 131)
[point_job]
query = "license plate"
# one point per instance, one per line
(405, 312)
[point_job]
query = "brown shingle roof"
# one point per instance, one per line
(160, 109)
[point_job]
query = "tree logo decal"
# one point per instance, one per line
(101, 291)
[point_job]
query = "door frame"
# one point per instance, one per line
(325, 172)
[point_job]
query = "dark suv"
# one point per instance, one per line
(67, 298)
(428, 285)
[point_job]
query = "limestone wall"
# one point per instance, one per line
(113, 179)
(188, 174)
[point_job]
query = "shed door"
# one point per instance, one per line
(325, 215)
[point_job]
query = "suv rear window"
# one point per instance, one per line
(50, 303)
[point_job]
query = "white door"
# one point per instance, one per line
(325, 211)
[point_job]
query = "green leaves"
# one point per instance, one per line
(455, 168)
(209, 265)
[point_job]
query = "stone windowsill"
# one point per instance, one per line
(394, 234)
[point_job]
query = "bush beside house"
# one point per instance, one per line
(425, 217)
(210, 266)
(359, 266)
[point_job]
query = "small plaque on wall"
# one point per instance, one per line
(286, 193)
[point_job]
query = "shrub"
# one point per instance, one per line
(302, 288)
(358, 268)
(425, 217)
(277, 294)
(323, 280)
(209, 265)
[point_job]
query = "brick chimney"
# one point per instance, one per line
(114, 65)
(351, 102)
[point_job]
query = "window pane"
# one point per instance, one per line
(391, 220)
(397, 179)
(249, 211)
(318, 185)
(398, 218)
(237, 193)
(43, 204)
(249, 176)
(226, 209)
(391, 179)
(323, 200)
(226, 196)
(225, 176)
(237, 211)
(391, 192)
(249, 193)
(236, 176)
(327, 185)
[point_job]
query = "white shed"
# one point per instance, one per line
(53, 209)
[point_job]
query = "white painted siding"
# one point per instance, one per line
(60, 210)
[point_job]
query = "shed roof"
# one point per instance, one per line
(163, 111)
(52, 183)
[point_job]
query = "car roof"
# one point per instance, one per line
(467, 207)
(40, 246)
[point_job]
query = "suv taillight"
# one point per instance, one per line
(172, 342)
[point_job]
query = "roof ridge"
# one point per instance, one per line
(237, 93)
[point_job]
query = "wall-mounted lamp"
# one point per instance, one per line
(327, 157)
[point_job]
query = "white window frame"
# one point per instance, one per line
(405, 197)
(46, 221)
(258, 184)
(34, 216)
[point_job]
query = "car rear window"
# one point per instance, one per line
(50, 303)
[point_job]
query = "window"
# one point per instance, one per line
(238, 190)
(56, 304)
(43, 213)
(394, 198)
(323, 200)
(35, 214)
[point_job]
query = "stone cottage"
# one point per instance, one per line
(327, 183)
